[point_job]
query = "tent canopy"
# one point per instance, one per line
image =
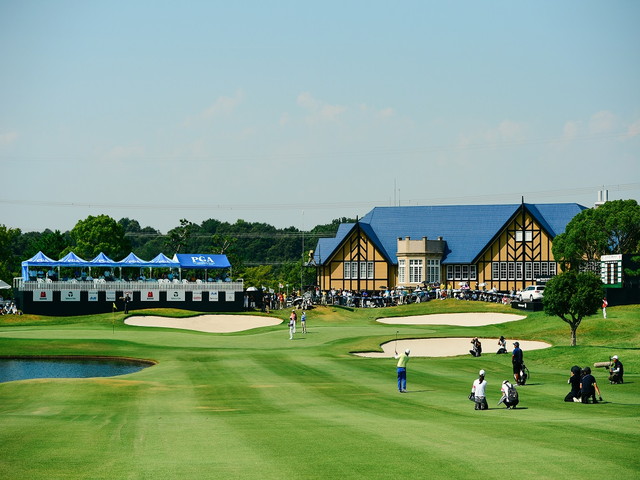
(102, 260)
(132, 260)
(207, 260)
(180, 260)
(72, 260)
(38, 260)
(161, 260)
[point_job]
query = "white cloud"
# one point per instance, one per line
(509, 131)
(385, 113)
(221, 107)
(319, 111)
(284, 119)
(305, 100)
(8, 138)
(634, 129)
(570, 130)
(602, 122)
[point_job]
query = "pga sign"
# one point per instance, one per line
(202, 260)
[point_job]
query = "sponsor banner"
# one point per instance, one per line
(93, 295)
(149, 295)
(175, 295)
(111, 295)
(229, 296)
(213, 296)
(70, 295)
(42, 296)
(197, 296)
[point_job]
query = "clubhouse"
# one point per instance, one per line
(500, 247)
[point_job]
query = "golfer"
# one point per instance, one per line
(402, 370)
(293, 319)
(303, 321)
(292, 328)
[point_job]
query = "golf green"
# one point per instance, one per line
(255, 404)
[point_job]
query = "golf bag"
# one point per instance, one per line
(511, 398)
(524, 374)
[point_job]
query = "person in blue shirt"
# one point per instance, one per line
(589, 387)
(517, 360)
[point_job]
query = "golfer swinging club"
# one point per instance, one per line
(402, 370)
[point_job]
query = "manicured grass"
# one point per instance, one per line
(257, 405)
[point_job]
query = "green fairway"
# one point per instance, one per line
(258, 405)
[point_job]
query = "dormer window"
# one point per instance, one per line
(524, 236)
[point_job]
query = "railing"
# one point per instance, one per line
(102, 285)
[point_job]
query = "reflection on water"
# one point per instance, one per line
(51, 367)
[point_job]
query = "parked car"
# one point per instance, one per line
(531, 293)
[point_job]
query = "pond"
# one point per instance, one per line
(25, 368)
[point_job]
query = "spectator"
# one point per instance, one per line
(479, 392)
(509, 395)
(616, 371)
(574, 381)
(476, 347)
(589, 387)
(502, 345)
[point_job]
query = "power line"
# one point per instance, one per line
(488, 198)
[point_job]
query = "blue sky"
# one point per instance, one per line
(295, 113)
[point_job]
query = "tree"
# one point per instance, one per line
(226, 245)
(9, 265)
(179, 237)
(612, 228)
(99, 234)
(573, 296)
(260, 276)
(52, 244)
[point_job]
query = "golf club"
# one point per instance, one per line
(396, 347)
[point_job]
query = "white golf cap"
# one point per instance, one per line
(615, 357)
(481, 372)
(407, 351)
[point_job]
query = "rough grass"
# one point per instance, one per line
(256, 405)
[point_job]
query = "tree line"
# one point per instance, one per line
(261, 254)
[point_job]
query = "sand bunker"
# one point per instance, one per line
(456, 319)
(448, 347)
(206, 323)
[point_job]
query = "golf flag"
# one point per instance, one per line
(114, 306)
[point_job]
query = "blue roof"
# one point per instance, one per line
(466, 229)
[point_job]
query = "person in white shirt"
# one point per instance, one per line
(510, 403)
(479, 387)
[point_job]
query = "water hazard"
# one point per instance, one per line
(24, 368)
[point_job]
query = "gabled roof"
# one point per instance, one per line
(102, 260)
(71, 259)
(466, 229)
